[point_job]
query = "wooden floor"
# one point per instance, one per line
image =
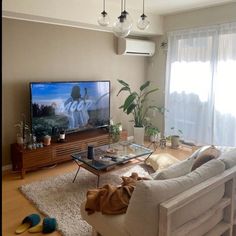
(16, 206)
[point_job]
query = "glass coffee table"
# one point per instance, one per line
(110, 157)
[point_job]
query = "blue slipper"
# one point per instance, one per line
(49, 225)
(28, 222)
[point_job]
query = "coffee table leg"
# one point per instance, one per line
(76, 174)
(147, 157)
(98, 181)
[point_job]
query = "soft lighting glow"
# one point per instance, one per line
(183, 80)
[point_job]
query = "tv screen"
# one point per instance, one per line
(70, 106)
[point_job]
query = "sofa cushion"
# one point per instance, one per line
(142, 213)
(161, 161)
(224, 149)
(229, 158)
(174, 171)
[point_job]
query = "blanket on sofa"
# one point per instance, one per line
(110, 199)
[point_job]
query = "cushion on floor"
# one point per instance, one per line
(161, 161)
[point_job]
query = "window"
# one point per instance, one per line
(201, 84)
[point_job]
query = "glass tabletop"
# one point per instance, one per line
(113, 154)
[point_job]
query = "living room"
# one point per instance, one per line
(39, 46)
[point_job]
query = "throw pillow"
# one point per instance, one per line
(202, 160)
(179, 169)
(229, 158)
(185, 167)
(161, 161)
(206, 150)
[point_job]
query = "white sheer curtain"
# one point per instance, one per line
(201, 84)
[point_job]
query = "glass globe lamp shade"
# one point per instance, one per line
(121, 27)
(127, 17)
(103, 19)
(143, 23)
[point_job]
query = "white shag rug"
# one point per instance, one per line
(58, 197)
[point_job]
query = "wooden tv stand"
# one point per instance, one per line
(24, 160)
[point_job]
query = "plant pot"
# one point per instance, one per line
(19, 139)
(174, 141)
(115, 138)
(139, 135)
(154, 138)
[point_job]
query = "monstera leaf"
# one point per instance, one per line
(135, 102)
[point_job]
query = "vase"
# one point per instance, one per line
(139, 135)
(174, 141)
(46, 140)
(19, 139)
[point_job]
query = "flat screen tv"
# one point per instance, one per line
(69, 106)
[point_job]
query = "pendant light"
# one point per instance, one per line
(103, 18)
(143, 23)
(122, 26)
(127, 15)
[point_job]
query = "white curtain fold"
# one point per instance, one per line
(201, 84)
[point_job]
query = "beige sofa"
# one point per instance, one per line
(201, 202)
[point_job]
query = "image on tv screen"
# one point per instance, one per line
(69, 106)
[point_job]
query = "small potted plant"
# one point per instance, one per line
(153, 133)
(174, 139)
(23, 128)
(115, 130)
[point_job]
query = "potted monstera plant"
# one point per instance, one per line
(136, 104)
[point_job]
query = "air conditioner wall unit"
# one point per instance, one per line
(135, 47)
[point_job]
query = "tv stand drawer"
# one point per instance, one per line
(37, 157)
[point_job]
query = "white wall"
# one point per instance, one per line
(202, 17)
(44, 52)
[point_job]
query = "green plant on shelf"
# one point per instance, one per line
(114, 131)
(23, 129)
(152, 130)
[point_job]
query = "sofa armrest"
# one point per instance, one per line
(169, 207)
(142, 215)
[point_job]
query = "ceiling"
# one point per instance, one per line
(164, 7)
(83, 14)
